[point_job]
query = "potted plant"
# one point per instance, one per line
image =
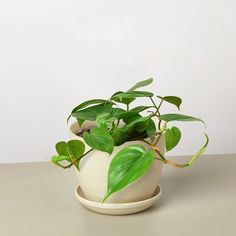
(118, 150)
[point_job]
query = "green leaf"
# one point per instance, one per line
(179, 117)
(85, 104)
(117, 111)
(115, 97)
(120, 135)
(139, 120)
(63, 149)
(139, 109)
(99, 139)
(132, 113)
(141, 84)
(104, 120)
(172, 137)
(173, 100)
(57, 159)
(129, 117)
(70, 151)
(132, 94)
(199, 153)
(127, 166)
(88, 103)
(77, 148)
(151, 129)
(92, 112)
(80, 121)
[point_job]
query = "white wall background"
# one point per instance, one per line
(56, 53)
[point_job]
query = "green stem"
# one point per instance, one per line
(154, 104)
(76, 160)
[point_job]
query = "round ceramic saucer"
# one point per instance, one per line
(118, 209)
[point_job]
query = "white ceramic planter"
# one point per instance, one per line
(94, 170)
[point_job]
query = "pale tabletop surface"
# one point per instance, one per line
(37, 199)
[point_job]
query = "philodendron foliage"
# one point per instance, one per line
(116, 123)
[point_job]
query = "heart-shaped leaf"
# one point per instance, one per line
(92, 112)
(127, 166)
(179, 117)
(85, 104)
(172, 137)
(77, 148)
(99, 139)
(141, 84)
(69, 151)
(173, 100)
(63, 149)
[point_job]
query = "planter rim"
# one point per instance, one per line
(75, 128)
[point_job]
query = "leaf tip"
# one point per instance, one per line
(105, 197)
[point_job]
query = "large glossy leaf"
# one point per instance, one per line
(173, 100)
(172, 137)
(99, 139)
(92, 112)
(88, 103)
(127, 166)
(141, 84)
(179, 117)
(83, 105)
(132, 94)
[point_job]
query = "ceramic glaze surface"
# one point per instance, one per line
(94, 171)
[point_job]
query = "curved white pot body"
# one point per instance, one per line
(94, 171)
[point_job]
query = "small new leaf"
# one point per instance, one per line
(172, 137)
(172, 99)
(141, 84)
